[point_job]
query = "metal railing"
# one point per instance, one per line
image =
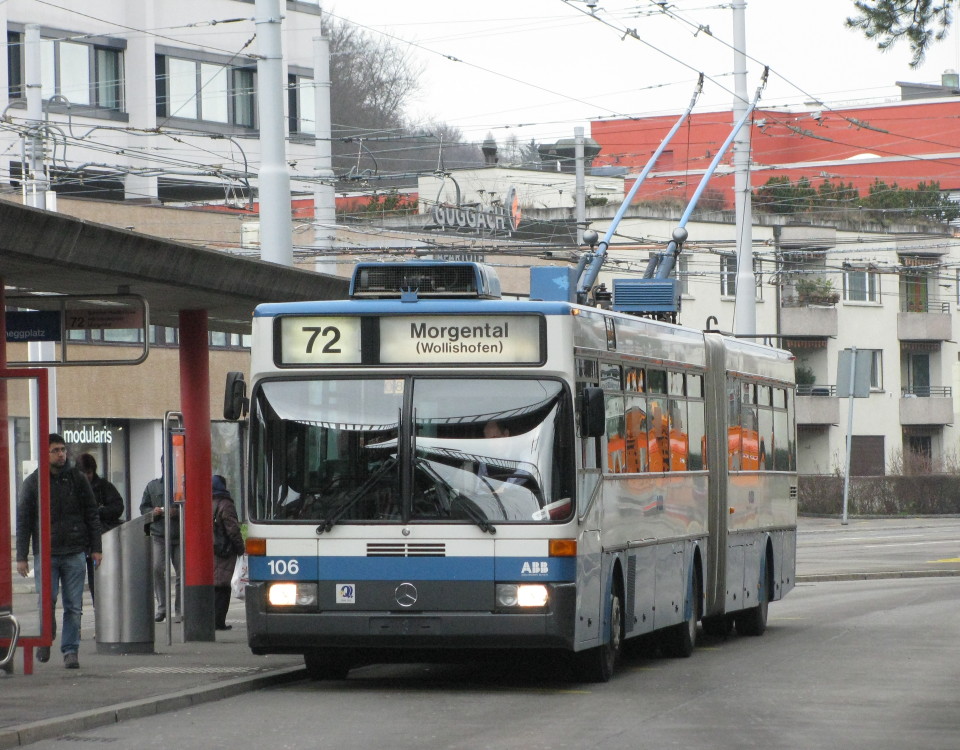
(924, 306)
(816, 389)
(926, 391)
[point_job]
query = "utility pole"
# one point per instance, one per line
(35, 183)
(37, 193)
(745, 320)
(324, 199)
(276, 227)
(580, 201)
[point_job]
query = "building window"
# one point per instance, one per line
(300, 96)
(876, 370)
(14, 65)
(728, 276)
(196, 90)
(861, 286)
(84, 74)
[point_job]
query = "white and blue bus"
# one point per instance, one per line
(435, 470)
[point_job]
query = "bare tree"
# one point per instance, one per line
(372, 81)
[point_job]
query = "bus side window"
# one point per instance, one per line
(696, 431)
(616, 438)
(679, 439)
(635, 419)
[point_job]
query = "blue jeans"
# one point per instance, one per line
(70, 570)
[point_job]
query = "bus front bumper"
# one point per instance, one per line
(278, 632)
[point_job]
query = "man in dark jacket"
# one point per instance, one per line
(74, 529)
(109, 504)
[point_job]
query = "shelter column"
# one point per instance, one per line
(198, 599)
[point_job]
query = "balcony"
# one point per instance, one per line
(924, 405)
(799, 320)
(929, 321)
(817, 404)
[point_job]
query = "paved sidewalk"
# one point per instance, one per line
(109, 688)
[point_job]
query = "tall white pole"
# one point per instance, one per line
(141, 101)
(745, 322)
(846, 471)
(276, 226)
(580, 187)
(35, 178)
(324, 199)
(35, 194)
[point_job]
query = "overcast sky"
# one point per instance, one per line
(538, 68)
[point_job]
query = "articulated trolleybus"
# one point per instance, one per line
(435, 470)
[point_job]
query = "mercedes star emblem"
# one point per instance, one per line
(406, 594)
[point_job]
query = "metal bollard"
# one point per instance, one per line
(124, 585)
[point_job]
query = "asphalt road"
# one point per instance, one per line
(860, 663)
(878, 547)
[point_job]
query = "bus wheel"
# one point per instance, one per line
(680, 639)
(598, 664)
(326, 665)
(753, 621)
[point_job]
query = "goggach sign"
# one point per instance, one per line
(503, 218)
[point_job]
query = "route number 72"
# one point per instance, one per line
(331, 332)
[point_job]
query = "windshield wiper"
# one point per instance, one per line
(354, 496)
(476, 515)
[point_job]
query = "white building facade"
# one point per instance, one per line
(155, 99)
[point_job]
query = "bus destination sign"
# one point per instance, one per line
(449, 339)
(318, 340)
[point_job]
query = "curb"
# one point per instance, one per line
(26, 734)
(825, 577)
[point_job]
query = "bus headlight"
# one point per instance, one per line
(292, 594)
(521, 595)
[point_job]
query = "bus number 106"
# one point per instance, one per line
(284, 567)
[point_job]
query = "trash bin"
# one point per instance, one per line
(124, 591)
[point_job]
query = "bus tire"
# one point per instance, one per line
(753, 621)
(598, 664)
(322, 664)
(680, 640)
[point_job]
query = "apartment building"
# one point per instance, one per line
(143, 103)
(149, 100)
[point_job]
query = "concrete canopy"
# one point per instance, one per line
(43, 251)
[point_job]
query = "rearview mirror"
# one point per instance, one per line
(593, 417)
(235, 402)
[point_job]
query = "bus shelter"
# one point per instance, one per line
(192, 288)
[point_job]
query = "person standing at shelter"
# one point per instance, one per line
(109, 506)
(152, 503)
(74, 529)
(225, 560)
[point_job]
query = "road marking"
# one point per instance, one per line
(945, 560)
(909, 544)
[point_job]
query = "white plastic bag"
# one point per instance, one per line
(240, 578)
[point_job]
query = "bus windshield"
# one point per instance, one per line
(412, 449)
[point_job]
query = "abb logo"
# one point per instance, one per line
(535, 568)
